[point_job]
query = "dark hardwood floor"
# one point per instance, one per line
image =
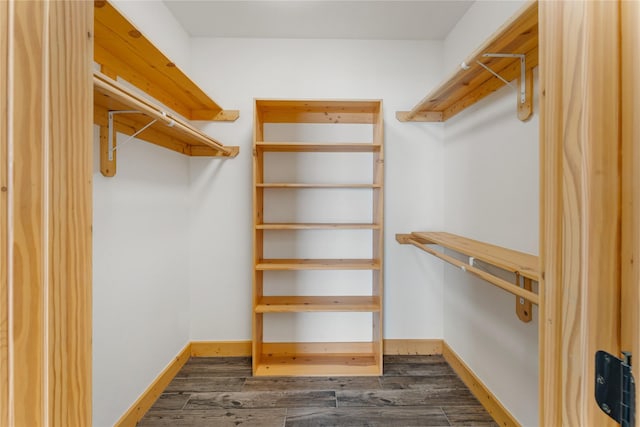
(414, 391)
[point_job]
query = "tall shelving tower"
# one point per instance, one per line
(362, 357)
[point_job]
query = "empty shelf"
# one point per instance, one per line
(468, 85)
(317, 226)
(298, 304)
(520, 263)
(124, 50)
(313, 185)
(318, 264)
(319, 365)
(507, 259)
(168, 131)
(292, 147)
(314, 111)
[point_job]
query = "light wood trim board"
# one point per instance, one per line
(155, 389)
(488, 400)
(45, 193)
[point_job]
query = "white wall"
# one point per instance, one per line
(140, 244)
(491, 194)
(140, 274)
(236, 71)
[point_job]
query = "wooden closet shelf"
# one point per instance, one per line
(314, 185)
(168, 131)
(302, 364)
(123, 50)
(318, 264)
(317, 226)
(471, 83)
(315, 111)
(293, 147)
(520, 263)
(299, 304)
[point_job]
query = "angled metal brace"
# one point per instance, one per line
(523, 68)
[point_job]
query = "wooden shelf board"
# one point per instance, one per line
(317, 226)
(315, 185)
(317, 147)
(507, 259)
(120, 47)
(318, 264)
(316, 111)
(466, 87)
(356, 364)
(300, 304)
(180, 137)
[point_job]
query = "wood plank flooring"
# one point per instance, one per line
(220, 391)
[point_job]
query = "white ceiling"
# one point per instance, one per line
(355, 19)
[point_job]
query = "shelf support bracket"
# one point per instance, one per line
(108, 145)
(525, 82)
(523, 306)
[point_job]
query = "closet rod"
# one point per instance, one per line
(509, 287)
(118, 92)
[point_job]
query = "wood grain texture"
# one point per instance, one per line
(507, 259)
(317, 226)
(120, 46)
(27, 142)
(216, 417)
(257, 399)
(415, 347)
(441, 400)
(299, 304)
(469, 268)
(318, 264)
(146, 400)
(580, 242)
(378, 417)
(550, 247)
(314, 185)
(45, 331)
(300, 147)
(220, 348)
(467, 86)
(69, 214)
(4, 216)
(488, 400)
(110, 95)
(311, 383)
(630, 251)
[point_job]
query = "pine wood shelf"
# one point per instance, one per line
(521, 264)
(299, 304)
(315, 185)
(297, 147)
(317, 226)
(318, 264)
(300, 358)
(356, 364)
(318, 111)
(471, 83)
(123, 49)
(168, 131)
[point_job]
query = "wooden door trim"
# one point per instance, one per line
(580, 198)
(46, 211)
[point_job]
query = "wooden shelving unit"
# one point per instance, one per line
(471, 82)
(521, 264)
(122, 51)
(317, 358)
